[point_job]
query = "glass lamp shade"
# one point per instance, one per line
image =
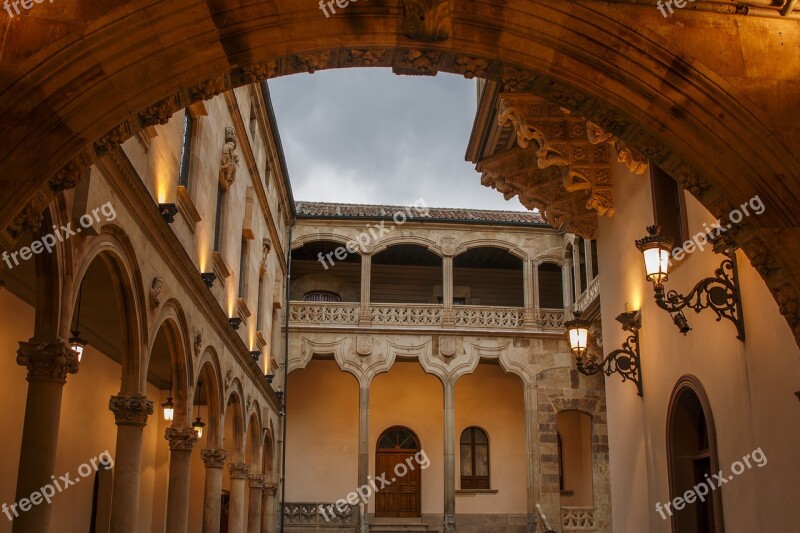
(77, 344)
(655, 249)
(169, 410)
(578, 335)
(198, 426)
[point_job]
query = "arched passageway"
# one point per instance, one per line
(73, 100)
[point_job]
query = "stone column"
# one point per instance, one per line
(566, 280)
(268, 507)
(131, 412)
(365, 315)
(448, 315)
(214, 459)
(449, 457)
(254, 508)
(181, 441)
(531, 280)
(363, 446)
(238, 473)
(532, 454)
(48, 364)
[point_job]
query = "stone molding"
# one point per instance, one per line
(256, 481)
(130, 410)
(48, 361)
(238, 470)
(213, 457)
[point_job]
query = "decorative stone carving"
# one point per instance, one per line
(229, 162)
(312, 62)
(208, 89)
(30, 218)
(471, 67)
(271, 488)
(213, 458)
(364, 345)
(130, 410)
(258, 72)
(111, 140)
(418, 63)
(256, 481)
(237, 470)
(634, 161)
(155, 291)
(514, 79)
(447, 346)
(159, 114)
(198, 343)
(47, 361)
(266, 247)
(366, 58)
(427, 20)
(448, 246)
(68, 177)
(510, 114)
(180, 439)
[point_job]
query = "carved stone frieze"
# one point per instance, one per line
(30, 218)
(633, 160)
(418, 63)
(113, 139)
(256, 481)
(156, 287)
(366, 58)
(214, 458)
(47, 361)
(257, 72)
(209, 89)
(229, 161)
(159, 113)
(427, 20)
(471, 67)
(180, 439)
(130, 410)
(516, 80)
(69, 176)
(313, 62)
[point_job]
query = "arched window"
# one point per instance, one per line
(474, 459)
(691, 443)
(321, 296)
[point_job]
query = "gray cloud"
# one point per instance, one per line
(369, 136)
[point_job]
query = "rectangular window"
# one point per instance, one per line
(243, 269)
(186, 148)
(218, 221)
(669, 209)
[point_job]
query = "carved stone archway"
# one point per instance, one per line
(122, 66)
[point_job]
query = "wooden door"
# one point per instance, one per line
(395, 455)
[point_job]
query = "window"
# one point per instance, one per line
(186, 148)
(580, 247)
(551, 286)
(474, 459)
(220, 212)
(243, 270)
(321, 296)
(560, 462)
(669, 210)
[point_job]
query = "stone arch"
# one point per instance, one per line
(233, 400)
(512, 249)
(609, 69)
(209, 364)
(428, 244)
(254, 440)
(550, 258)
(328, 236)
(172, 318)
(324, 282)
(113, 247)
(268, 448)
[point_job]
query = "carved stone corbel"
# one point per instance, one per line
(427, 20)
(633, 160)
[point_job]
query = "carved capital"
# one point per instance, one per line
(256, 481)
(214, 458)
(271, 488)
(180, 439)
(130, 410)
(237, 470)
(47, 361)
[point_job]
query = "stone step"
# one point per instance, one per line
(398, 525)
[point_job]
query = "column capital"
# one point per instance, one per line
(130, 409)
(238, 470)
(48, 360)
(180, 439)
(271, 489)
(256, 481)
(214, 458)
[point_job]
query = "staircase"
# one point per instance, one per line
(399, 525)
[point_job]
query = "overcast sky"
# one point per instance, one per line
(368, 136)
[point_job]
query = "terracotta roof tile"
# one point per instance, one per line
(333, 210)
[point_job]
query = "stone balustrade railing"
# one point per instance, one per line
(425, 316)
(317, 515)
(588, 296)
(577, 518)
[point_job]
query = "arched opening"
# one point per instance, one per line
(406, 273)
(233, 498)
(692, 458)
(325, 267)
(574, 430)
(474, 444)
(394, 454)
(551, 286)
(487, 275)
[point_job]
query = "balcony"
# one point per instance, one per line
(425, 316)
(578, 518)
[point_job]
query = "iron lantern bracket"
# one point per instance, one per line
(625, 361)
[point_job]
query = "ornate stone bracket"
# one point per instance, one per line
(180, 439)
(214, 458)
(47, 361)
(130, 410)
(238, 470)
(633, 160)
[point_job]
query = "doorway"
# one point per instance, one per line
(401, 498)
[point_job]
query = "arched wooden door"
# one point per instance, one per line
(395, 463)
